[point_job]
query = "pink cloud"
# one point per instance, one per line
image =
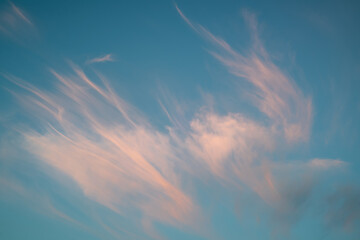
(14, 23)
(325, 163)
(106, 58)
(121, 161)
(20, 14)
(276, 95)
(115, 157)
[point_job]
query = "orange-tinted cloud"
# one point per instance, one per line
(276, 95)
(14, 23)
(115, 157)
(105, 58)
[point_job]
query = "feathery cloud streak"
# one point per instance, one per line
(275, 95)
(106, 58)
(20, 14)
(13, 21)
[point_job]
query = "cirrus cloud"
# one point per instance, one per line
(123, 162)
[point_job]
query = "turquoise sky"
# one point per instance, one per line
(179, 120)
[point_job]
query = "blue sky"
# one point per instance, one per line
(179, 120)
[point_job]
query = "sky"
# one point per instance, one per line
(179, 120)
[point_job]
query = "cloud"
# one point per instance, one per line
(325, 163)
(236, 145)
(276, 95)
(14, 23)
(20, 14)
(106, 58)
(232, 146)
(213, 138)
(237, 148)
(110, 151)
(119, 160)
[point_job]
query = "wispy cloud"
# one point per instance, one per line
(105, 58)
(20, 14)
(14, 22)
(326, 163)
(276, 95)
(238, 148)
(118, 159)
(235, 145)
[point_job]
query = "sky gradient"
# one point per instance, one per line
(179, 120)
